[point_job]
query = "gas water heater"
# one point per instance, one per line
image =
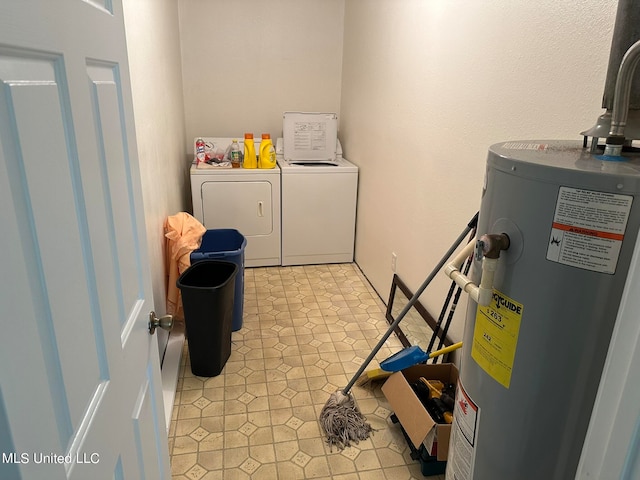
(534, 348)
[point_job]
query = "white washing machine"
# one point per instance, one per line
(245, 199)
(318, 208)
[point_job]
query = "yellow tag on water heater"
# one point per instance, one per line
(496, 336)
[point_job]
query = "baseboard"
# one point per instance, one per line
(171, 369)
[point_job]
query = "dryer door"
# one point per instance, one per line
(245, 206)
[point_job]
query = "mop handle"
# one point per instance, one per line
(452, 309)
(411, 302)
(445, 330)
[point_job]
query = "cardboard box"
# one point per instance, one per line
(413, 417)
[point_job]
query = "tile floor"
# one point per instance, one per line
(306, 331)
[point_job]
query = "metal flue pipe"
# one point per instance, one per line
(625, 33)
(621, 100)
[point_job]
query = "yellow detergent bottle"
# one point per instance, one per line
(250, 160)
(267, 157)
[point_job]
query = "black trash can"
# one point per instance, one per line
(208, 289)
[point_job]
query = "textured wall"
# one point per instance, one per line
(428, 86)
(245, 62)
(153, 43)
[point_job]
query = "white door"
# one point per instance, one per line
(79, 374)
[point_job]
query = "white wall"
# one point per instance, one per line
(153, 44)
(421, 88)
(428, 86)
(245, 62)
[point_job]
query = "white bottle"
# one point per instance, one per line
(234, 154)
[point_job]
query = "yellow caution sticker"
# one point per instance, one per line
(496, 336)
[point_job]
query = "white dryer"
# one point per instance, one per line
(245, 199)
(319, 199)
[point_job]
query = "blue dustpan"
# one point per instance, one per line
(412, 356)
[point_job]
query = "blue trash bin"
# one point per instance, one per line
(226, 244)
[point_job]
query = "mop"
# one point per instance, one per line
(340, 418)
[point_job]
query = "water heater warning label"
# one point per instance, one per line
(588, 229)
(464, 432)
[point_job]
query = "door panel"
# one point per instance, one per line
(30, 86)
(81, 398)
(117, 184)
(143, 423)
(245, 206)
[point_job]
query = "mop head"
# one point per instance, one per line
(342, 421)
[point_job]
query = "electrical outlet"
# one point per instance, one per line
(394, 261)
